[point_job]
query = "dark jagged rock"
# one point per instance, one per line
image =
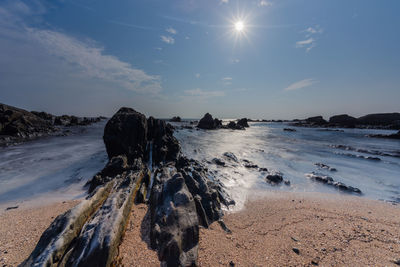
(218, 161)
(317, 120)
(388, 136)
(289, 130)
(176, 119)
(20, 123)
(231, 156)
(182, 197)
(274, 177)
(243, 123)
(208, 123)
(343, 120)
(126, 134)
(174, 222)
(382, 119)
(329, 181)
(324, 166)
(234, 126)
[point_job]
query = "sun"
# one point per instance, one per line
(239, 26)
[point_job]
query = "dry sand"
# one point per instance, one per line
(327, 230)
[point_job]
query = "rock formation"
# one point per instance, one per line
(146, 166)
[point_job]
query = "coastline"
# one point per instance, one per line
(327, 229)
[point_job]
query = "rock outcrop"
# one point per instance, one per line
(18, 125)
(343, 120)
(388, 136)
(209, 123)
(380, 119)
(329, 181)
(243, 123)
(317, 120)
(176, 119)
(146, 166)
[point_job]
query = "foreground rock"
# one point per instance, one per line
(329, 181)
(146, 166)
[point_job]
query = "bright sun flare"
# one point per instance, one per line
(239, 26)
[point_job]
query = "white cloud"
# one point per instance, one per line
(199, 94)
(197, 75)
(305, 42)
(264, 3)
(300, 84)
(227, 79)
(171, 30)
(224, 1)
(167, 39)
(82, 59)
(310, 41)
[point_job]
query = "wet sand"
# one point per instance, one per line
(327, 230)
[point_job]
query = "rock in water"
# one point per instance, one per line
(343, 120)
(208, 123)
(243, 123)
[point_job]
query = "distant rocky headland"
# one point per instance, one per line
(390, 121)
(18, 125)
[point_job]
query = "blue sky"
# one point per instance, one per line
(294, 58)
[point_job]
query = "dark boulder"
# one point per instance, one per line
(218, 162)
(126, 134)
(343, 120)
(231, 156)
(176, 119)
(274, 177)
(234, 126)
(208, 123)
(317, 120)
(243, 122)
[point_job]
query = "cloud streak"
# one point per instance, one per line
(85, 59)
(167, 39)
(300, 84)
(310, 41)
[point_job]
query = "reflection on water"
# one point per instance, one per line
(373, 165)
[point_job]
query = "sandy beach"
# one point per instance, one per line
(281, 229)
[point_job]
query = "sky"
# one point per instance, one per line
(271, 59)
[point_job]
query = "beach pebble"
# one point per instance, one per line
(296, 250)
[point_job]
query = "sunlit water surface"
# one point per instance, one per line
(294, 154)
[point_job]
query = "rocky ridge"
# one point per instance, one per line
(145, 166)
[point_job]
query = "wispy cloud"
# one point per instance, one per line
(199, 94)
(82, 58)
(300, 84)
(125, 24)
(310, 40)
(171, 30)
(264, 3)
(197, 75)
(224, 1)
(227, 80)
(167, 39)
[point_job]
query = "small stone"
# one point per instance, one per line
(397, 261)
(231, 264)
(296, 250)
(313, 262)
